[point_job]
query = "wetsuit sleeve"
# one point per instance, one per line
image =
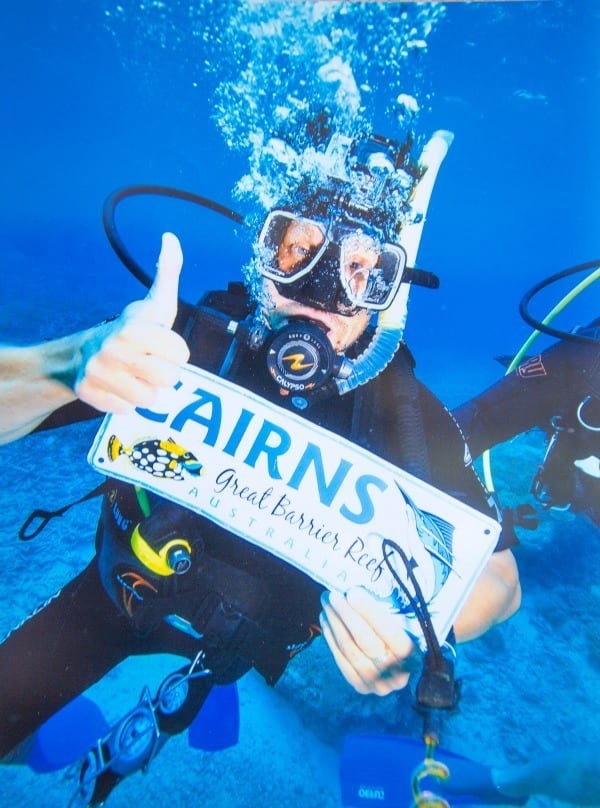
(543, 386)
(71, 413)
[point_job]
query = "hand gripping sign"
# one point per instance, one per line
(304, 494)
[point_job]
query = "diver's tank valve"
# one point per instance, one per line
(159, 543)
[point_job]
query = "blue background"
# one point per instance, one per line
(90, 108)
(95, 99)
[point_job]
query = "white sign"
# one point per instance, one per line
(307, 495)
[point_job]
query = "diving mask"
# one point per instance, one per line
(337, 268)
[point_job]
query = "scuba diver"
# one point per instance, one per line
(557, 391)
(167, 580)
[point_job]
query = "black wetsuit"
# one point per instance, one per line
(252, 609)
(546, 391)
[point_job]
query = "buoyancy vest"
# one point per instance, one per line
(240, 600)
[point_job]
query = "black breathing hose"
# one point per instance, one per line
(110, 228)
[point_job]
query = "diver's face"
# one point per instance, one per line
(342, 329)
(300, 239)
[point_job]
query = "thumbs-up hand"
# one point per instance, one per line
(124, 363)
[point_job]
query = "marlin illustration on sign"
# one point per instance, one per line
(436, 536)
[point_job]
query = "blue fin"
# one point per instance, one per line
(377, 770)
(217, 725)
(66, 736)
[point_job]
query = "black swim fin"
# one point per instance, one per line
(378, 769)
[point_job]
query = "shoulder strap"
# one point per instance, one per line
(208, 345)
(388, 417)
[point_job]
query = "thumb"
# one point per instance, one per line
(162, 297)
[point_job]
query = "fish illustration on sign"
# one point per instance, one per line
(161, 458)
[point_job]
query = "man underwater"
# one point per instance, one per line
(238, 606)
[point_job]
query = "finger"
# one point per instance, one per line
(103, 400)
(371, 636)
(348, 654)
(138, 338)
(153, 371)
(106, 402)
(148, 358)
(357, 669)
(382, 619)
(364, 632)
(347, 670)
(119, 387)
(162, 297)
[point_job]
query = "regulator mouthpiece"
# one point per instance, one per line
(300, 358)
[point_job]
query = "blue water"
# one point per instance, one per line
(106, 94)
